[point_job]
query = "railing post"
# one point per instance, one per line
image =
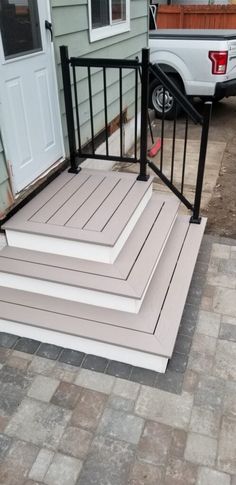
(144, 115)
(65, 65)
(196, 219)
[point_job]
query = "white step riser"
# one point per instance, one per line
(77, 249)
(88, 346)
(70, 293)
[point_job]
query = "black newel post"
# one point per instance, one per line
(201, 164)
(144, 115)
(65, 65)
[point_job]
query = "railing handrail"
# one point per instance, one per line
(101, 62)
(181, 98)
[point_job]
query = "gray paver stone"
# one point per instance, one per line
(122, 426)
(95, 381)
(20, 458)
(126, 389)
(75, 442)
(205, 421)
(208, 323)
(43, 388)
(164, 407)
(200, 449)
(64, 470)
(41, 464)
(145, 474)
(155, 443)
(39, 423)
(89, 409)
(206, 476)
(180, 472)
(66, 395)
(227, 446)
(225, 360)
(108, 462)
(210, 392)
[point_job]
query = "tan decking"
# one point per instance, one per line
(128, 276)
(94, 206)
(143, 331)
(130, 309)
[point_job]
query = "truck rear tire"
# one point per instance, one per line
(156, 99)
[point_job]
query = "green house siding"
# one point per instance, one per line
(71, 28)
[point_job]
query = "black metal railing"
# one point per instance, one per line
(190, 114)
(78, 151)
(142, 70)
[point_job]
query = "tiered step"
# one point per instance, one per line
(121, 286)
(129, 310)
(89, 215)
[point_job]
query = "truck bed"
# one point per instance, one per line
(199, 34)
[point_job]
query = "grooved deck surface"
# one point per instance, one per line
(128, 276)
(153, 330)
(92, 206)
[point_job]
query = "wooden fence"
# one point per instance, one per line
(196, 17)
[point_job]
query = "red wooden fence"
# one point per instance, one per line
(196, 17)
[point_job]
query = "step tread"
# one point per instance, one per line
(153, 330)
(67, 209)
(128, 276)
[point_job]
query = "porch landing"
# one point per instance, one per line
(99, 263)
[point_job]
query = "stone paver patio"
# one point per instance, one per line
(70, 419)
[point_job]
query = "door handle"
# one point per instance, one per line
(48, 26)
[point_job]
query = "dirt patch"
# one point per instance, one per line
(221, 210)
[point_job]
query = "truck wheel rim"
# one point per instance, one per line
(157, 99)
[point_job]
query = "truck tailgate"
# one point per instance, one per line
(231, 69)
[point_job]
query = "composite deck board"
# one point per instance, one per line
(145, 320)
(77, 200)
(119, 269)
(40, 200)
(139, 267)
(95, 208)
(47, 215)
(106, 210)
(168, 323)
(57, 200)
(103, 325)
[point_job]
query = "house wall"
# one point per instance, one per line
(66, 15)
(70, 27)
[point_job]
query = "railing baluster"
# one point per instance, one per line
(105, 108)
(121, 114)
(173, 146)
(76, 107)
(144, 116)
(136, 116)
(91, 108)
(162, 128)
(184, 154)
(201, 164)
(65, 64)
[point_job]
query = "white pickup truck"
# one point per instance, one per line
(201, 63)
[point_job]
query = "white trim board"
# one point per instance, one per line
(108, 351)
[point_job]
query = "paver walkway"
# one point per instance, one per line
(62, 423)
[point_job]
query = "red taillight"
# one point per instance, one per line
(219, 61)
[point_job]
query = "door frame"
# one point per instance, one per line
(16, 193)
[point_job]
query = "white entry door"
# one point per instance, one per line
(29, 117)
